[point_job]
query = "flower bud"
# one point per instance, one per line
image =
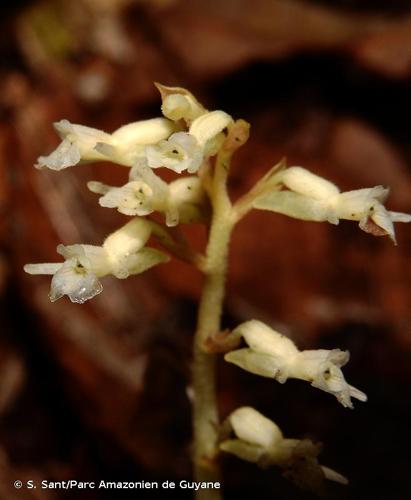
(179, 104)
(249, 425)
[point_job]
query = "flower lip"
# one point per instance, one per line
(323, 369)
(76, 281)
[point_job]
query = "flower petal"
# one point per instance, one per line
(75, 281)
(382, 218)
(245, 451)
(400, 217)
(143, 132)
(92, 257)
(139, 262)
(304, 182)
(251, 426)
(207, 126)
(333, 475)
(262, 364)
(360, 203)
(42, 268)
(134, 198)
(142, 172)
(189, 200)
(295, 205)
(65, 155)
(131, 140)
(127, 240)
(261, 338)
(180, 152)
(322, 368)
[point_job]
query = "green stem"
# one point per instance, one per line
(205, 418)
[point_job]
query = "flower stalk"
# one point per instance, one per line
(205, 410)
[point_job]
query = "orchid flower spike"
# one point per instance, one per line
(124, 146)
(310, 197)
(271, 354)
(122, 254)
(259, 440)
(187, 150)
(183, 200)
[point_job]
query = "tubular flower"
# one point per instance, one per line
(124, 146)
(310, 197)
(121, 255)
(259, 440)
(183, 200)
(187, 150)
(271, 354)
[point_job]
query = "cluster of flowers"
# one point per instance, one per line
(273, 355)
(184, 140)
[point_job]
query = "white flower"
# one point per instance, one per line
(271, 354)
(78, 275)
(122, 254)
(187, 150)
(259, 440)
(313, 198)
(78, 144)
(183, 200)
(142, 195)
(179, 104)
(134, 198)
(124, 146)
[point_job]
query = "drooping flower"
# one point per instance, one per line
(122, 254)
(312, 198)
(271, 354)
(259, 440)
(183, 200)
(124, 146)
(187, 150)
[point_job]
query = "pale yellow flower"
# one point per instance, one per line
(312, 198)
(121, 255)
(271, 354)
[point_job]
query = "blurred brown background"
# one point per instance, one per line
(99, 391)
